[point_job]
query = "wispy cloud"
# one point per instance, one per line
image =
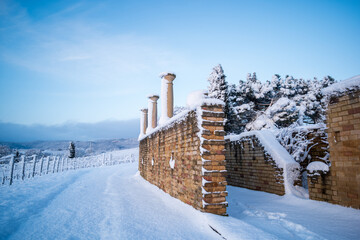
(75, 58)
(77, 49)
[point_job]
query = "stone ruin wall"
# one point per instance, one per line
(341, 185)
(248, 166)
(318, 146)
(196, 143)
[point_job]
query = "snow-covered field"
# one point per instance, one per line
(114, 202)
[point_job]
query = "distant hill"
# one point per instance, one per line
(83, 148)
(110, 129)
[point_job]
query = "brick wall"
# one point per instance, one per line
(342, 184)
(196, 144)
(321, 187)
(249, 167)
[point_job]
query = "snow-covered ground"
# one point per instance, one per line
(114, 202)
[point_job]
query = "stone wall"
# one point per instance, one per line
(248, 166)
(321, 187)
(342, 184)
(186, 159)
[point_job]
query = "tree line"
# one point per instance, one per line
(282, 102)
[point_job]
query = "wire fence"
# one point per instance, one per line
(23, 167)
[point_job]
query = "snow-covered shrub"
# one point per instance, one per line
(298, 141)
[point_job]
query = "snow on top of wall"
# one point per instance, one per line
(271, 146)
(194, 103)
(211, 101)
(345, 85)
(317, 166)
(194, 98)
(198, 98)
(279, 154)
(168, 123)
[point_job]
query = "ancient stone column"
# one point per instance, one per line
(152, 112)
(167, 96)
(143, 121)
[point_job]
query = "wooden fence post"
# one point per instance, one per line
(12, 163)
(23, 167)
(34, 165)
(58, 164)
(47, 165)
(62, 164)
(41, 165)
(54, 165)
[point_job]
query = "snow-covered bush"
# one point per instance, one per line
(299, 140)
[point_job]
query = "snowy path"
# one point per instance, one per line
(115, 203)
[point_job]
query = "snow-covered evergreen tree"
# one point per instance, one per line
(72, 150)
(288, 87)
(253, 97)
(280, 114)
(218, 87)
(233, 122)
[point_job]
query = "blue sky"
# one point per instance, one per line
(92, 61)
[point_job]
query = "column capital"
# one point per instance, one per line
(153, 97)
(168, 76)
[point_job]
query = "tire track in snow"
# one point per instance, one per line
(109, 227)
(24, 211)
(139, 210)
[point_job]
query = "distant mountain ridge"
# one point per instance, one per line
(109, 129)
(83, 148)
